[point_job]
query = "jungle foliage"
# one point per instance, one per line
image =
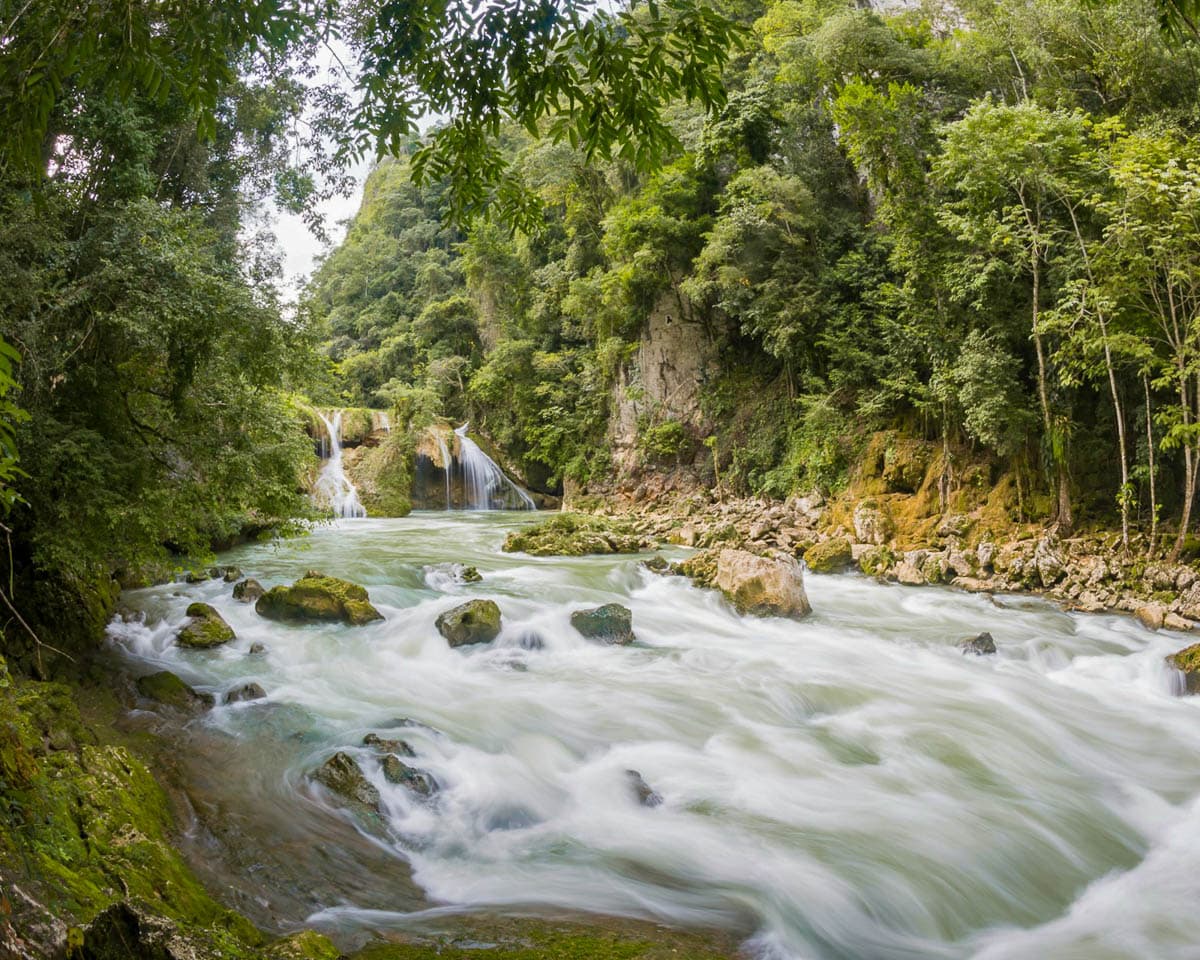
(978, 221)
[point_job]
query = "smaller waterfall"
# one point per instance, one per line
(332, 483)
(447, 465)
(385, 422)
(484, 483)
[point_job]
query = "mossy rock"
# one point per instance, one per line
(248, 591)
(397, 771)
(611, 623)
(470, 575)
(316, 597)
(700, 568)
(1187, 661)
(829, 556)
(305, 945)
(166, 687)
(576, 535)
(476, 621)
(876, 561)
(206, 629)
(342, 775)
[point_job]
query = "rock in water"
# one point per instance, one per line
(247, 691)
(645, 795)
(980, 645)
(397, 771)
(1151, 615)
(207, 628)
(316, 597)
(1187, 661)
(248, 590)
(231, 574)
(470, 575)
(388, 746)
(167, 688)
(476, 621)
(611, 623)
(341, 774)
(762, 586)
(829, 556)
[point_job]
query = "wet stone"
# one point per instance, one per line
(388, 746)
(979, 646)
(247, 691)
(398, 772)
(646, 796)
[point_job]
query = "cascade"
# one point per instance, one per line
(332, 483)
(486, 486)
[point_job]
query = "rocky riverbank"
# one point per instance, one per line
(1090, 572)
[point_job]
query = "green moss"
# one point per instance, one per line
(207, 628)
(501, 938)
(829, 556)
(87, 827)
(700, 568)
(306, 945)
(317, 597)
(876, 561)
(383, 476)
(167, 688)
(576, 535)
(476, 621)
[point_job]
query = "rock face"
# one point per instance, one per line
(248, 591)
(762, 586)
(341, 774)
(316, 597)
(830, 556)
(872, 523)
(167, 688)
(611, 623)
(207, 628)
(1187, 661)
(247, 691)
(476, 621)
(980, 645)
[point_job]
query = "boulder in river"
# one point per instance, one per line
(1151, 616)
(762, 586)
(646, 796)
(476, 621)
(829, 556)
(166, 687)
(248, 590)
(574, 535)
(317, 597)
(231, 574)
(388, 746)
(247, 691)
(342, 775)
(1187, 661)
(205, 629)
(978, 645)
(397, 771)
(611, 623)
(470, 574)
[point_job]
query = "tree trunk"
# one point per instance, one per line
(1150, 459)
(1063, 516)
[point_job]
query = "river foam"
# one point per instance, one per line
(848, 786)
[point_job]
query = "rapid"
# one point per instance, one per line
(846, 786)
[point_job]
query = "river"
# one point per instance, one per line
(849, 786)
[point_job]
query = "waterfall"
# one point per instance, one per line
(447, 465)
(484, 483)
(385, 422)
(332, 483)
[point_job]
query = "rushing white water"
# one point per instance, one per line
(849, 786)
(486, 486)
(333, 486)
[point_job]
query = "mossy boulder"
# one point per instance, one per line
(1187, 661)
(248, 591)
(476, 621)
(611, 623)
(316, 597)
(829, 556)
(470, 574)
(875, 561)
(342, 775)
(165, 687)
(762, 586)
(397, 771)
(206, 629)
(576, 535)
(700, 568)
(386, 745)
